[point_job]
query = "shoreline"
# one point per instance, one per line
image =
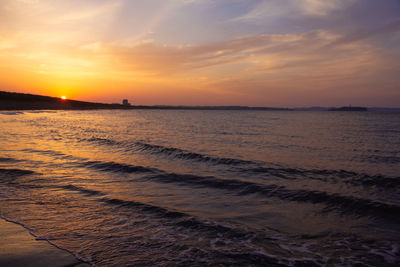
(18, 247)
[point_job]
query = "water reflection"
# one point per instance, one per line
(206, 187)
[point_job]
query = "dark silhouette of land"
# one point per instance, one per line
(19, 101)
(349, 108)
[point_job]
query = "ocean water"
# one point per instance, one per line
(206, 188)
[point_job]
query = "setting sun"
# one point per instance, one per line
(63, 97)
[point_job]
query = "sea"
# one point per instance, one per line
(206, 187)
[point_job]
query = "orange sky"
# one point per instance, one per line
(201, 52)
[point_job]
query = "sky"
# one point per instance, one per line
(275, 53)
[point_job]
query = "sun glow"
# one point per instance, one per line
(105, 51)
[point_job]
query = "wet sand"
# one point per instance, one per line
(19, 248)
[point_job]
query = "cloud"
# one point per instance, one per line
(263, 64)
(322, 7)
(267, 10)
(55, 17)
(359, 35)
(170, 59)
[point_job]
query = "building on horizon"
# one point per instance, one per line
(125, 102)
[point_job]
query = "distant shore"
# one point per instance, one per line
(20, 101)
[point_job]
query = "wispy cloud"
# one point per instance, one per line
(362, 34)
(251, 49)
(322, 7)
(267, 10)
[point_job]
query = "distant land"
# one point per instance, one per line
(349, 108)
(20, 101)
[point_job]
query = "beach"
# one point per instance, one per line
(19, 248)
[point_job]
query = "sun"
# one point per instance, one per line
(63, 97)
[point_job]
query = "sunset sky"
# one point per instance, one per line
(281, 53)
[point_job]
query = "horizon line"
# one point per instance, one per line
(210, 106)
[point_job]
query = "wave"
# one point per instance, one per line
(108, 166)
(337, 202)
(218, 232)
(392, 183)
(41, 111)
(332, 176)
(302, 172)
(12, 113)
(354, 178)
(146, 208)
(183, 154)
(382, 159)
(102, 141)
(258, 168)
(54, 153)
(116, 167)
(83, 190)
(15, 172)
(173, 152)
(341, 203)
(46, 152)
(9, 160)
(181, 219)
